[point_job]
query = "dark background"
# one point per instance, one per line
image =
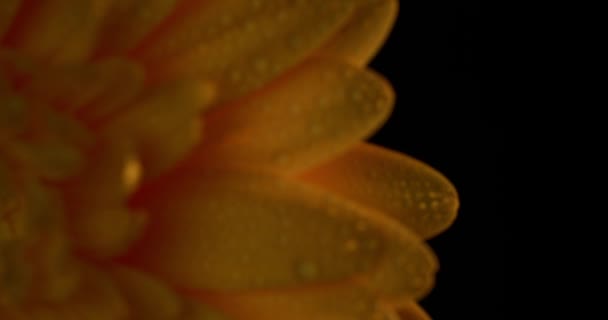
(431, 58)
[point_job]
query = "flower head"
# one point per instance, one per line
(189, 159)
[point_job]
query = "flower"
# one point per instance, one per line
(193, 159)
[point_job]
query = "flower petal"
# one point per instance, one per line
(59, 31)
(161, 132)
(225, 231)
(197, 310)
(344, 301)
(366, 30)
(99, 223)
(412, 311)
(8, 9)
(128, 22)
(91, 91)
(147, 297)
(240, 45)
(97, 298)
(319, 110)
(393, 183)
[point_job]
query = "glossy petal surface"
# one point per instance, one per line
(241, 45)
(277, 234)
(393, 183)
(311, 114)
(343, 301)
(365, 32)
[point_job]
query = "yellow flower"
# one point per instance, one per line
(190, 159)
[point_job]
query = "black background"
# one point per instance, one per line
(431, 59)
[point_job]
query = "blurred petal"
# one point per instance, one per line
(366, 30)
(319, 110)
(128, 22)
(412, 311)
(59, 31)
(92, 91)
(147, 297)
(225, 231)
(97, 298)
(240, 45)
(344, 301)
(8, 9)
(393, 183)
(163, 126)
(197, 310)
(100, 224)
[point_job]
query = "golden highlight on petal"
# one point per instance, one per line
(393, 183)
(310, 115)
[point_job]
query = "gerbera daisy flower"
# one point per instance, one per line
(189, 159)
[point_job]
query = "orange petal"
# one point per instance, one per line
(344, 301)
(128, 22)
(148, 298)
(163, 126)
(100, 224)
(308, 116)
(59, 31)
(393, 183)
(412, 311)
(97, 298)
(237, 231)
(365, 32)
(8, 9)
(92, 91)
(197, 310)
(240, 45)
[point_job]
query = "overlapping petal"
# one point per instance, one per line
(365, 32)
(393, 183)
(128, 22)
(309, 115)
(58, 31)
(8, 9)
(279, 213)
(343, 301)
(240, 45)
(278, 234)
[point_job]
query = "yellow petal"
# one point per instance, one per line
(59, 31)
(148, 298)
(343, 301)
(164, 126)
(8, 9)
(240, 45)
(393, 183)
(366, 30)
(236, 231)
(128, 22)
(311, 114)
